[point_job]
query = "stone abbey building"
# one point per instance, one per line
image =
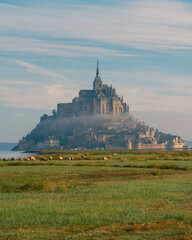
(96, 119)
(101, 100)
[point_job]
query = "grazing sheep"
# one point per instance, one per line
(27, 159)
(82, 156)
(104, 158)
(86, 154)
(109, 156)
(32, 158)
(70, 158)
(12, 159)
(115, 154)
(50, 158)
(43, 159)
(60, 158)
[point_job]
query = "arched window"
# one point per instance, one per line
(103, 109)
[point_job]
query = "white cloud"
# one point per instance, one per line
(37, 97)
(53, 48)
(39, 70)
(16, 82)
(154, 91)
(143, 24)
(20, 115)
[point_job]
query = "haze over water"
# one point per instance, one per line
(11, 154)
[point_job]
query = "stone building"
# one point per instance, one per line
(109, 128)
(101, 100)
(50, 142)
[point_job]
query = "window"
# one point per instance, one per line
(103, 109)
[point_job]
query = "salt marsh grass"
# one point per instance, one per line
(118, 198)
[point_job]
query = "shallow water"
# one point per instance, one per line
(11, 154)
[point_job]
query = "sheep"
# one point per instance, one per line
(86, 154)
(104, 158)
(43, 159)
(82, 156)
(50, 158)
(12, 159)
(109, 156)
(60, 158)
(115, 154)
(70, 158)
(27, 159)
(32, 158)
(5, 160)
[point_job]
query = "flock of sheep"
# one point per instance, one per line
(19, 159)
(32, 158)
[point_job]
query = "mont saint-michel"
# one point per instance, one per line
(97, 119)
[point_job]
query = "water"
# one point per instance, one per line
(10, 154)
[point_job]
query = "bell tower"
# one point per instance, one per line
(97, 84)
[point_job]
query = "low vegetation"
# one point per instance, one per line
(97, 195)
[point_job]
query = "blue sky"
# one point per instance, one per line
(48, 51)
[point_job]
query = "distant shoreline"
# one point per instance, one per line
(5, 146)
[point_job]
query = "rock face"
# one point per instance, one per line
(98, 118)
(97, 132)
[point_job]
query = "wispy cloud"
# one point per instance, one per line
(55, 48)
(37, 97)
(154, 91)
(20, 115)
(16, 82)
(39, 70)
(143, 99)
(142, 24)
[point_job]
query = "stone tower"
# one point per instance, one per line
(97, 84)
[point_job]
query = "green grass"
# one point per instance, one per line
(134, 195)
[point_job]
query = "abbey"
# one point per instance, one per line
(101, 100)
(96, 119)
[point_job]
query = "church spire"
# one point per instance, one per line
(97, 72)
(97, 84)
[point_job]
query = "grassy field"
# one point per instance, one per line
(106, 195)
